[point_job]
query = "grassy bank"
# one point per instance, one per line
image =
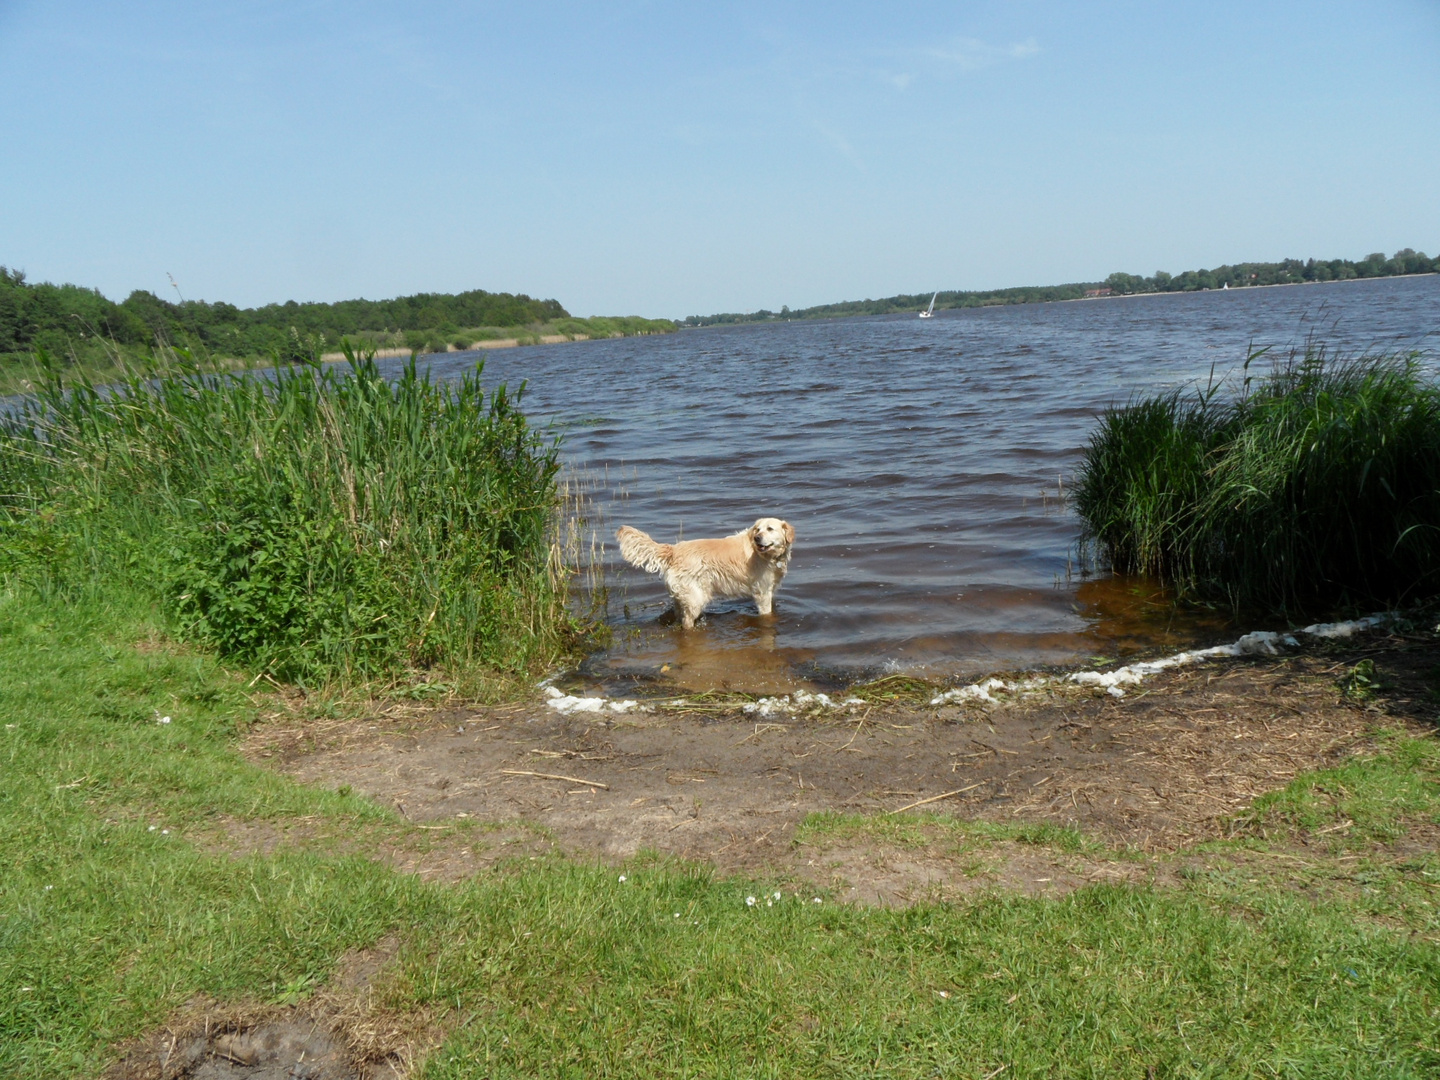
(120, 903)
(322, 525)
(1316, 486)
(101, 360)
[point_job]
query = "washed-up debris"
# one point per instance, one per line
(567, 703)
(797, 702)
(1113, 682)
(1259, 643)
(984, 691)
(1344, 629)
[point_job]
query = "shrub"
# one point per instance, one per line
(321, 523)
(1319, 485)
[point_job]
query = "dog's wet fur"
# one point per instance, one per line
(747, 563)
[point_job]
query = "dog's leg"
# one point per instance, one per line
(764, 601)
(689, 604)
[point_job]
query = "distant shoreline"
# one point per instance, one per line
(1243, 275)
(1238, 288)
(901, 313)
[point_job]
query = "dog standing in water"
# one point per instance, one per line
(749, 563)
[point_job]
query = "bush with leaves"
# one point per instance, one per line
(323, 523)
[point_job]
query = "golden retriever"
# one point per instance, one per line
(749, 563)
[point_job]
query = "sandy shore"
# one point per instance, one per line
(493, 343)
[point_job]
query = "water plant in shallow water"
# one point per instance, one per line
(320, 523)
(1317, 485)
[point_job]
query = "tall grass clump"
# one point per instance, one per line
(322, 524)
(1316, 486)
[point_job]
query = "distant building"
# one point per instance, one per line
(1095, 294)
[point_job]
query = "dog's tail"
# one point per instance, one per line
(639, 550)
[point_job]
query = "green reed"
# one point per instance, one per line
(1317, 485)
(323, 524)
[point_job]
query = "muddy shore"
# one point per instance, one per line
(1162, 770)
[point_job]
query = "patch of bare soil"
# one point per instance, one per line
(874, 871)
(1165, 767)
(340, 1033)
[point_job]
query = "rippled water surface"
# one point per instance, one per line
(922, 462)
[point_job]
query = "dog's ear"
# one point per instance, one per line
(789, 532)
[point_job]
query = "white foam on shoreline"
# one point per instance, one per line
(1344, 629)
(1258, 643)
(984, 692)
(566, 704)
(801, 699)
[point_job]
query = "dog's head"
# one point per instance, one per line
(772, 537)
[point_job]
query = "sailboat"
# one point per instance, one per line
(929, 313)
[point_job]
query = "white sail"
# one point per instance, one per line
(930, 311)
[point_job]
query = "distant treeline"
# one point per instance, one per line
(1290, 271)
(60, 317)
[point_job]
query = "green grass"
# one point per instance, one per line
(101, 361)
(324, 524)
(554, 968)
(1318, 486)
(108, 916)
(1375, 794)
(609, 326)
(1105, 982)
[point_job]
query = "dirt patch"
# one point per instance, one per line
(288, 1047)
(1418, 837)
(1165, 767)
(879, 873)
(452, 850)
(340, 1033)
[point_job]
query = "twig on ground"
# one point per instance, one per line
(935, 798)
(554, 776)
(858, 728)
(762, 728)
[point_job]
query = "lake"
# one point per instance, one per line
(923, 463)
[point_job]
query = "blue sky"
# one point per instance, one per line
(667, 159)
